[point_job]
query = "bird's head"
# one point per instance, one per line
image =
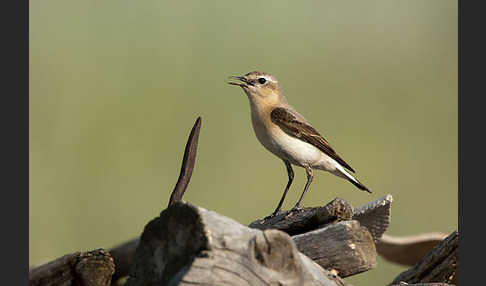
(259, 86)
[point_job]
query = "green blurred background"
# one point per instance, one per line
(115, 87)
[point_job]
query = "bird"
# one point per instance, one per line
(288, 135)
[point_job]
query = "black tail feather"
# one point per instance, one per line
(359, 185)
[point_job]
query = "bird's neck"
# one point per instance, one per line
(261, 108)
(265, 103)
(260, 112)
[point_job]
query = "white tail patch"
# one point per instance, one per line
(341, 172)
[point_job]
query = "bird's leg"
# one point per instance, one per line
(290, 172)
(310, 176)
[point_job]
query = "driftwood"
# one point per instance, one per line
(307, 219)
(345, 247)
(93, 268)
(375, 216)
(188, 245)
(438, 266)
(331, 238)
(301, 222)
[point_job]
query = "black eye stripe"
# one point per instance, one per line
(262, 80)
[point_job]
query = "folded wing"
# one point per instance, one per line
(289, 123)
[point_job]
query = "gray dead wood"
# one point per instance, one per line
(329, 236)
(438, 266)
(375, 216)
(291, 222)
(346, 247)
(297, 222)
(188, 245)
(93, 268)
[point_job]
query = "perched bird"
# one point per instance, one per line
(288, 135)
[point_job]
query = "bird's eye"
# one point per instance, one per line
(262, 80)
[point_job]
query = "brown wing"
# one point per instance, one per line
(303, 131)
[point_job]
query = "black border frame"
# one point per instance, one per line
(15, 145)
(471, 144)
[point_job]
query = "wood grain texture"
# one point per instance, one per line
(322, 236)
(346, 247)
(93, 268)
(293, 223)
(188, 245)
(375, 216)
(297, 222)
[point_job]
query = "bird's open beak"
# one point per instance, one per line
(243, 81)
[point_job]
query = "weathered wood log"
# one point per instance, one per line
(375, 216)
(93, 268)
(292, 223)
(311, 218)
(188, 245)
(295, 223)
(345, 247)
(438, 266)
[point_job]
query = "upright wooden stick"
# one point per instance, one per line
(188, 162)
